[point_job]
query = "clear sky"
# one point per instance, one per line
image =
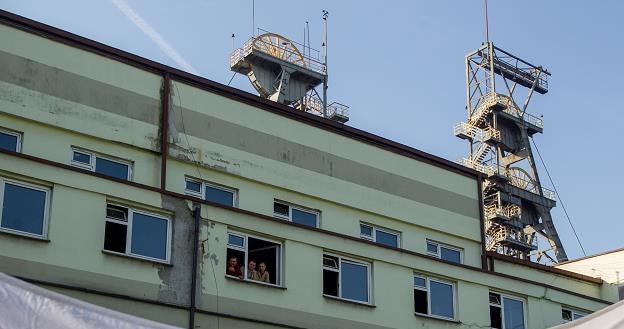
(400, 66)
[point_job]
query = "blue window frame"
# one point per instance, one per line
(23, 208)
(102, 164)
(506, 312)
(380, 235)
(346, 279)
(211, 192)
(296, 214)
(568, 315)
(137, 233)
(445, 252)
(434, 297)
(112, 168)
(10, 140)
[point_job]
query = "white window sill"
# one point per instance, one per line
(24, 235)
(145, 259)
(269, 285)
(435, 317)
(351, 301)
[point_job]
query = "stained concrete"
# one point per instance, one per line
(176, 279)
(69, 86)
(66, 85)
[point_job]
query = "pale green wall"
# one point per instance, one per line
(302, 301)
(168, 315)
(256, 196)
(60, 96)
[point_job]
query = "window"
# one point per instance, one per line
(445, 252)
(433, 297)
(23, 208)
(101, 164)
(568, 315)
(506, 312)
(137, 233)
(253, 259)
(296, 214)
(380, 235)
(211, 192)
(346, 278)
(10, 140)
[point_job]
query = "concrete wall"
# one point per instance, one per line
(60, 96)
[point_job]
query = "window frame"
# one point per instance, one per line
(427, 289)
(129, 225)
(93, 160)
(573, 312)
(46, 210)
(376, 228)
(292, 206)
(369, 278)
(204, 184)
(245, 249)
(17, 134)
(502, 307)
(440, 245)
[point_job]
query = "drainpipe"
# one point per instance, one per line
(193, 307)
(164, 129)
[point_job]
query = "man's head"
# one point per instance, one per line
(233, 261)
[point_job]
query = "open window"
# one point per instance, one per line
(380, 235)
(434, 297)
(24, 208)
(137, 233)
(211, 192)
(296, 214)
(10, 140)
(346, 278)
(254, 259)
(506, 312)
(568, 314)
(445, 252)
(103, 164)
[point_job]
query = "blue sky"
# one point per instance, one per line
(399, 65)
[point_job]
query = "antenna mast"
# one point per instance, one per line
(487, 32)
(253, 18)
(325, 15)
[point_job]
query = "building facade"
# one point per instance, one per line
(144, 189)
(607, 266)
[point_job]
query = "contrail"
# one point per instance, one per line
(153, 35)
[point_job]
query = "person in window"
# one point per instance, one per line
(252, 273)
(233, 269)
(263, 274)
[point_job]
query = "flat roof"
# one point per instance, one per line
(77, 41)
(604, 253)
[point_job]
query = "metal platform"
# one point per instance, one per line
(499, 87)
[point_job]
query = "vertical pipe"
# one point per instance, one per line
(307, 36)
(468, 100)
(325, 14)
(164, 129)
(193, 307)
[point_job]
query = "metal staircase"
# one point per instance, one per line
(497, 129)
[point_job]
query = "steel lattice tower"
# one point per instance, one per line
(516, 206)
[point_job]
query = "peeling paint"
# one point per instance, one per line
(175, 280)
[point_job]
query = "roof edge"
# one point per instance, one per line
(68, 38)
(545, 268)
(591, 256)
